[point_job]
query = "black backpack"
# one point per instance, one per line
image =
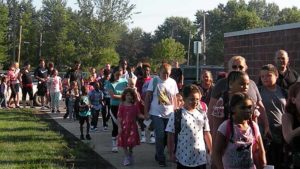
(177, 120)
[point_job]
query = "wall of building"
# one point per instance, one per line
(258, 46)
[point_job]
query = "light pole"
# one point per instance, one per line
(204, 39)
(189, 47)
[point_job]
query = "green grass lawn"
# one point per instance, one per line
(27, 142)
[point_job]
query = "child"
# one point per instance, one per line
(96, 100)
(274, 100)
(55, 88)
(72, 94)
(106, 98)
(140, 103)
(3, 92)
(180, 101)
(241, 137)
(84, 114)
(291, 123)
(128, 130)
(193, 134)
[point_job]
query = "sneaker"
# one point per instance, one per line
(114, 145)
(143, 137)
(105, 128)
(131, 159)
(92, 128)
(57, 111)
(43, 108)
(162, 164)
(81, 137)
(126, 161)
(95, 128)
(152, 138)
(52, 111)
(88, 137)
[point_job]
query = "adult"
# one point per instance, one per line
(287, 76)
(41, 74)
(160, 102)
(206, 85)
(115, 89)
(142, 85)
(108, 67)
(75, 74)
(13, 84)
(177, 74)
(26, 83)
(239, 63)
(291, 123)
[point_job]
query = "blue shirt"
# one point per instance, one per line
(117, 87)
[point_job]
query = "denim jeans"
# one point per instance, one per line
(159, 125)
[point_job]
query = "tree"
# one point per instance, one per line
(3, 32)
(289, 15)
(168, 50)
(57, 47)
(178, 28)
(135, 45)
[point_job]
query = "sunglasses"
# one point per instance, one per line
(237, 67)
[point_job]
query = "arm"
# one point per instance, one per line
(113, 95)
(208, 141)
(287, 129)
(210, 109)
(263, 118)
(171, 145)
(262, 153)
(148, 99)
(218, 150)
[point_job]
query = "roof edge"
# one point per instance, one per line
(262, 30)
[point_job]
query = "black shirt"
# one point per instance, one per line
(176, 74)
(26, 77)
(289, 77)
(75, 75)
(41, 72)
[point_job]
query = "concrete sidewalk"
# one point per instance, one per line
(101, 143)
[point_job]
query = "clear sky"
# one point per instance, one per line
(154, 12)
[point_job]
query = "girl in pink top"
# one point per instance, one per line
(238, 141)
(128, 130)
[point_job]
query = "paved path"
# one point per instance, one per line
(101, 143)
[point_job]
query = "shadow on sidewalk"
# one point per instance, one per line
(83, 156)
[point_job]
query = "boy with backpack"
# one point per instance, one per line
(188, 132)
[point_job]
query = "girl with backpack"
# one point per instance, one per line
(243, 146)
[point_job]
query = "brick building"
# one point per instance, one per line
(258, 46)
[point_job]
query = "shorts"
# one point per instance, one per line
(42, 89)
(82, 119)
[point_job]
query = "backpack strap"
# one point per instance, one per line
(228, 131)
(225, 98)
(177, 125)
(203, 106)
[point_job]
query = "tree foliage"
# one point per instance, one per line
(237, 16)
(169, 50)
(3, 32)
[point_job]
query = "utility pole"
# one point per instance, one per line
(189, 46)
(204, 39)
(20, 42)
(41, 44)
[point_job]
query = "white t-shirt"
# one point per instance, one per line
(162, 104)
(190, 149)
(238, 153)
(54, 84)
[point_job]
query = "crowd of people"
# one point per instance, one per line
(232, 123)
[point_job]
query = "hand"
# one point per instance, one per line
(119, 130)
